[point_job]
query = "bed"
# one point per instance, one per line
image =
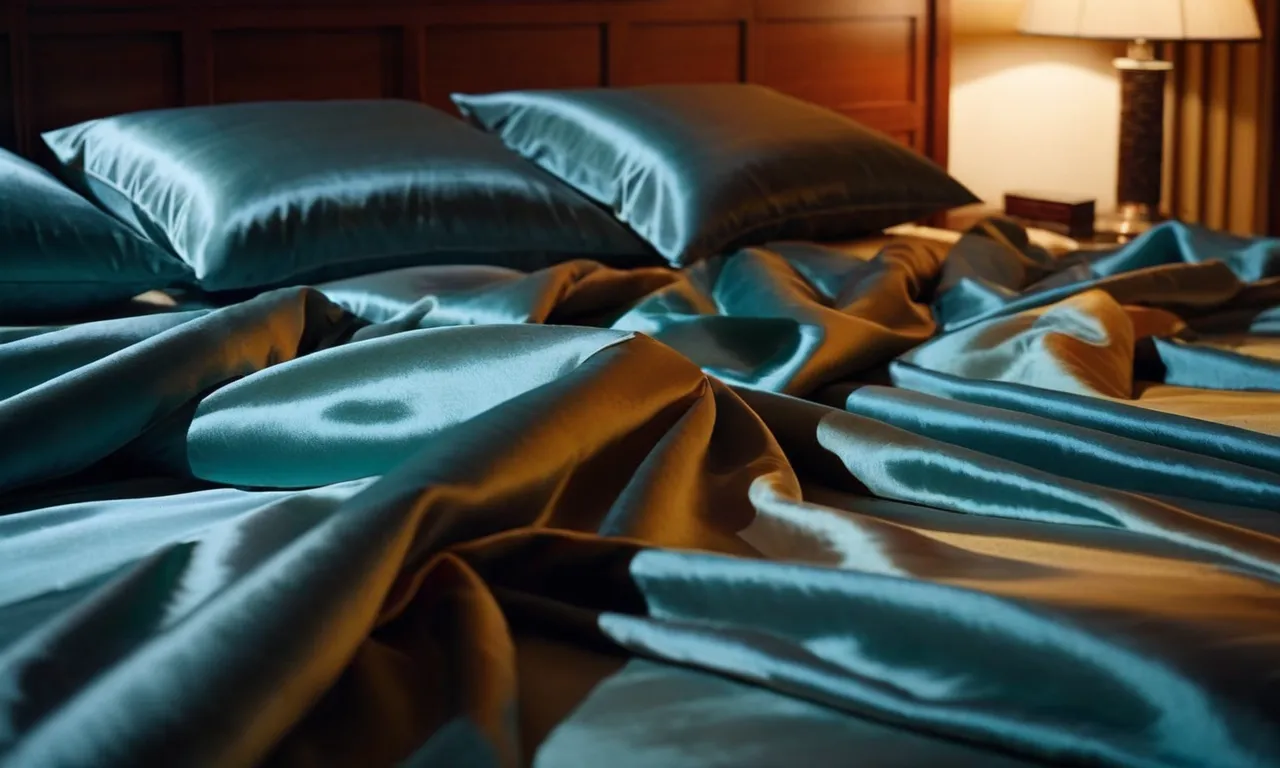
(901, 499)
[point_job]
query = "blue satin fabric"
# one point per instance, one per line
(1195, 271)
(698, 170)
(268, 194)
(479, 517)
(62, 257)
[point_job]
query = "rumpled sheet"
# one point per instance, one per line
(975, 506)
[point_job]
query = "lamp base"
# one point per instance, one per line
(1141, 172)
(1128, 221)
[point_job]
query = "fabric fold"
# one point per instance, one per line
(977, 507)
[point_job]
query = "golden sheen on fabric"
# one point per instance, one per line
(698, 170)
(61, 256)
(266, 194)
(466, 516)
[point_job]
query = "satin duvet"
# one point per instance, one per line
(966, 506)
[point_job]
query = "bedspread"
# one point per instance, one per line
(946, 506)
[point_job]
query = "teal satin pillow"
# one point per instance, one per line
(60, 256)
(265, 194)
(701, 169)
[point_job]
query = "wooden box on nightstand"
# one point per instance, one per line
(964, 219)
(1068, 215)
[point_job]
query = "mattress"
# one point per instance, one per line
(937, 500)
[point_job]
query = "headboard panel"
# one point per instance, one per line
(885, 62)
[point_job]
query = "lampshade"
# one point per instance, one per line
(1142, 19)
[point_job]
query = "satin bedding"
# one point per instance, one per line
(698, 170)
(59, 254)
(258, 195)
(966, 506)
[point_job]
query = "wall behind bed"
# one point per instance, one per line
(1032, 113)
(1044, 113)
(885, 62)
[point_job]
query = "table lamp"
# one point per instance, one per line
(1142, 75)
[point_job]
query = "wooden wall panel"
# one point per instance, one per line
(816, 60)
(691, 52)
(870, 60)
(477, 59)
(1268, 192)
(8, 129)
(262, 65)
(81, 77)
(885, 62)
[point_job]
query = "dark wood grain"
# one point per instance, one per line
(938, 56)
(682, 52)
(1269, 177)
(863, 59)
(414, 61)
(262, 65)
(197, 62)
(884, 62)
(482, 58)
(8, 122)
(76, 78)
(826, 61)
(17, 91)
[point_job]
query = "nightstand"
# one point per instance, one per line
(964, 219)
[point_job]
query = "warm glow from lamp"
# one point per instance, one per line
(1142, 22)
(1142, 19)
(1066, 97)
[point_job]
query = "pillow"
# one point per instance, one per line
(62, 256)
(259, 195)
(701, 169)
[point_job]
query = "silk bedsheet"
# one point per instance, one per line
(945, 506)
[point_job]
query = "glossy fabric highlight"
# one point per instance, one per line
(698, 170)
(62, 257)
(511, 520)
(265, 194)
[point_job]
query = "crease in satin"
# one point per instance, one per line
(969, 506)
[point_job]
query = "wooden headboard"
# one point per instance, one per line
(884, 62)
